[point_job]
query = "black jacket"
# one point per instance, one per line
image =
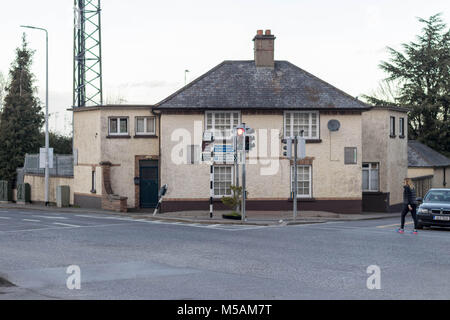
(409, 196)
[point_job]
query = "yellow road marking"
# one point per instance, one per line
(394, 225)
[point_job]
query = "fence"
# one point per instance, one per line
(62, 166)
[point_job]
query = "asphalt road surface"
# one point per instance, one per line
(124, 258)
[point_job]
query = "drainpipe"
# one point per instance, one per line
(158, 115)
(445, 179)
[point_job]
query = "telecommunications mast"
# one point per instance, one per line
(87, 62)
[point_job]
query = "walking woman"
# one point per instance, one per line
(409, 204)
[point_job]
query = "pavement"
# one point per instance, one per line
(122, 257)
(266, 218)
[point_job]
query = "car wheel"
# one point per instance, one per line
(419, 226)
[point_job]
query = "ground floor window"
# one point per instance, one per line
(370, 177)
(304, 181)
(223, 179)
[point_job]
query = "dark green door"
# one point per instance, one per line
(148, 193)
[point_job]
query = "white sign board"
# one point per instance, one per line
(224, 153)
(301, 148)
(42, 154)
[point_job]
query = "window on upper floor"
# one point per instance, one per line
(145, 126)
(401, 128)
(297, 121)
(118, 126)
(222, 123)
(392, 127)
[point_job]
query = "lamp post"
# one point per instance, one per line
(46, 114)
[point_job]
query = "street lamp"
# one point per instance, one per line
(46, 114)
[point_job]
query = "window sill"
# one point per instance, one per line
(402, 137)
(392, 136)
(313, 140)
(93, 191)
(367, 192)
(145, 136)
(303, 200)
(118, 137)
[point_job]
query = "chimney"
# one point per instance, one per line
(264, 49)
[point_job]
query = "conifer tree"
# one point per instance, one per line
(421, 74)
(21, 118)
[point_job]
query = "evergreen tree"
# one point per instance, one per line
(422, 77)
(21, 118)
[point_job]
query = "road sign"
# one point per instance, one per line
(42, 154)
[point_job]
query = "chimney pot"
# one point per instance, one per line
(259, 32)
(267, 32)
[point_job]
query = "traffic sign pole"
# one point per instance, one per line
(295, 176)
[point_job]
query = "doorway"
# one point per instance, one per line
(148, 183)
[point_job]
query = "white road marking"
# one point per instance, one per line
(61, 228)
(47, 217)
(30, 220)
(66, 225)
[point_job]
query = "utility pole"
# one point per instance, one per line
(295, 176)
(244, 192)
(47, 161)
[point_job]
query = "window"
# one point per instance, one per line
(392, 127)
(118, 126)
(145, 125)
(303, 181)
(350, 155)
(402, 128)
(222, 123)
(223, 179)
(370, 177)
(295, 122)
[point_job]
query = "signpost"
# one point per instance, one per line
(42, 158)
(299, 153)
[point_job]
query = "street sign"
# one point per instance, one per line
(42, 154)
(223, 148)
(301, 149)
(224, 153)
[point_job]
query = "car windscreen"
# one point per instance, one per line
(438, 196)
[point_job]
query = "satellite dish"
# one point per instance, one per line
(334, 125)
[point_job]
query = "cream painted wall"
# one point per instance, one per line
(331, 179)
(94, 147)
(397, 159)
(37, 184)
(420, 172)
(438, 179)
(123, 151)
(390, 153)
(87, 141)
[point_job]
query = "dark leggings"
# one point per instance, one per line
(413, 213)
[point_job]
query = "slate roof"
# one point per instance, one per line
(242, 85)
(420, 155)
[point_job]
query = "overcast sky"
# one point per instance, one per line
(147, 44)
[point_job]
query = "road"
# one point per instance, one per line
(124, 258)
